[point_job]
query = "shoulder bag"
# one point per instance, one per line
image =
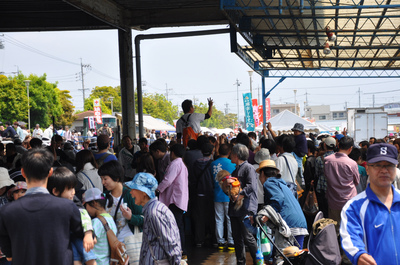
(118, 255)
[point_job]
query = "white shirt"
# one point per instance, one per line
(284, 169)
(121, 222)
(37, 133)
(48, 133)
(68, 135)
(194, 122)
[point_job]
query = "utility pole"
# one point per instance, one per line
(87, 66)
(237, 88)
(226, 108)
(251, 83)
(195, 100)
(306, 105)
(295, 107)
(373, 100)
(167, 90)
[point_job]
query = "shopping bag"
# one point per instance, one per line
(133, 244)
(310, 206)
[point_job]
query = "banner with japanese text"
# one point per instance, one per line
(260, 114)
(92, 123)
(267, 109)
(255, 112)
(248, 112)
(267, 112)
(97, 111)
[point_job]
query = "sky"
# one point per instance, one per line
(194, 68)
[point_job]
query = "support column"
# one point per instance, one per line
(127, 88)
(263, 100)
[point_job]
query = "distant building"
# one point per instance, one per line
(319, 112)
(339, 114)
(278, 108)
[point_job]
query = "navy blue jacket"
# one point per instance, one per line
(301, 148)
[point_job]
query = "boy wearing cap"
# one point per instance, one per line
(160, 230)
(370, 221)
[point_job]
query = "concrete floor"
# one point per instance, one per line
(214, 256)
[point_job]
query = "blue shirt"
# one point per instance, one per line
(216, 166)
(368, 226)
(107, 159)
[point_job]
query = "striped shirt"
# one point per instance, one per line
(101, 248)
(161, 232)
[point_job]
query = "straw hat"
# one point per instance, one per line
(266, 163)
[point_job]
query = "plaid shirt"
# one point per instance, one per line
(319, 172)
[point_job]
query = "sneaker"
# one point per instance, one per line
(231, 246)
(184, 257)
(221, 245)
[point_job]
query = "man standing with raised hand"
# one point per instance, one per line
(371, 220)
(191, 120)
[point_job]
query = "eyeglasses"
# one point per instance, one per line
(380, 167)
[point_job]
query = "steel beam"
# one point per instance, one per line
(104, 10)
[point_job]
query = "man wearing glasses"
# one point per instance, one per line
(371, 221)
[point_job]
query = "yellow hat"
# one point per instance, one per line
(266, 163)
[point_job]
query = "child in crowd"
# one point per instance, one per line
(95, 203)
(17, 191)
(300, 149)
(62, 184)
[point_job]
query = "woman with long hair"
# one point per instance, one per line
(86, 170)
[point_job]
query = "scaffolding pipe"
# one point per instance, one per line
(140, 37)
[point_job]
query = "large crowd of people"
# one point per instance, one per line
(53, 198)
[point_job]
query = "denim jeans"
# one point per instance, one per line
(221, 213)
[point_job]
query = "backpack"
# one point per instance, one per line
(100, 161)
(188, 132)
(118, 255)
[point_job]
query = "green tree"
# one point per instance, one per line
(67, 118)
(44, 99)
(218, 119)
(105, 93)
(13, 100)
(158, 106)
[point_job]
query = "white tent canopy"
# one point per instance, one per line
(151, 123)
(285, 121)
(156, 124)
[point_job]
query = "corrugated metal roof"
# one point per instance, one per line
(292, 34)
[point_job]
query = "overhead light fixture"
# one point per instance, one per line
(327, 50)
(330, 34)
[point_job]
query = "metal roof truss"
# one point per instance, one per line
(288, 37)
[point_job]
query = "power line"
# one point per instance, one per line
(34, 50)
